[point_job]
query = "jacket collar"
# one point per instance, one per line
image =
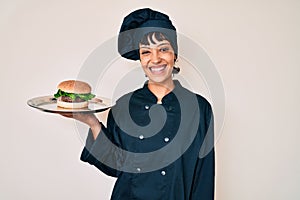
(169, 97)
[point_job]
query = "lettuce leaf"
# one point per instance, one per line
(73, 96)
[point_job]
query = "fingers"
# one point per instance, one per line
(86, 118)
(77, 116)
(68, 115)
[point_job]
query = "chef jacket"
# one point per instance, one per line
(182, 172)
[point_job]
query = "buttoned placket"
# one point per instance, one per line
(166, 139)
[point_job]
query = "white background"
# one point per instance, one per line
(255, 46)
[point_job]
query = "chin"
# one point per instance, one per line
(160, 80)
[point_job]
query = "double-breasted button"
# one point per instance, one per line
(167, 139)
(141, 137)
(163, 173)
(147, 107)
(169, 108)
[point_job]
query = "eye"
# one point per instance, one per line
(145, 52)
(164, 49)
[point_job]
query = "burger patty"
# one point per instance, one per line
(68, 99)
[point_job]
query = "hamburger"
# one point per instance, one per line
(73, 94)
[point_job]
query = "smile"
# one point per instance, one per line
(157, 69)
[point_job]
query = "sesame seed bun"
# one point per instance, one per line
(74, 86)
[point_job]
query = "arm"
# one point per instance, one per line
(101, 148)
(203, 183)
(97, 146)
(204, 174)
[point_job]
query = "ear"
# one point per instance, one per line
(176, 70)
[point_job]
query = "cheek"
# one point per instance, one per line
(143, 63)
(143, 59)
(170, 59)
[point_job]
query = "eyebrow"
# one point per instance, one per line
(161, 44)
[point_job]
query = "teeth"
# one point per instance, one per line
(157, 69)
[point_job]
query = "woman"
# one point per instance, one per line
(157, 152)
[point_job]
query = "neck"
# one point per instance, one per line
(160, 90)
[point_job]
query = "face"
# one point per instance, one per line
(157, 60)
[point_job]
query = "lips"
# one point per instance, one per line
(157, 69)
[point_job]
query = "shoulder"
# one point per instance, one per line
(201, 99)
(140, 95)
(136, 95)
(129, 95)
(203, 103)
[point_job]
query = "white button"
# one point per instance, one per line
(163, 173)
(141, 137)
(167, 139)
(147, 107)
(170, 108)
(138, 169)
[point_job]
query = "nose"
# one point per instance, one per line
(155, 56)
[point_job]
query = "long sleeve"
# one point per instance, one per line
(203, 183)
(204, 175)
(102, 150)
